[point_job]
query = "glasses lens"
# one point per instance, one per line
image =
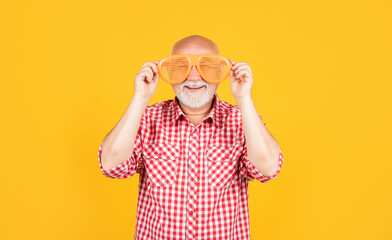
(174, 69)
(214, 68)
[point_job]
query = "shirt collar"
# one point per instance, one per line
(215, 114)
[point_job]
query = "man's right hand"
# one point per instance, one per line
(146, 80)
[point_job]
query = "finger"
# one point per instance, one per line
(232, 75)
(150, 78)
(146, 67)
(153, 69)
(146, 74)
(232, 62)
(156, 76)
(153, 66)
(243, 67)
(242, 73)
(238, 64)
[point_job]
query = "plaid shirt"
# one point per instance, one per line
(193, 180)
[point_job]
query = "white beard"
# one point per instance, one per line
(194, 100)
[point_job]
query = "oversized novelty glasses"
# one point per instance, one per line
(213, 68)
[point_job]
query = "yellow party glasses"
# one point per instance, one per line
(213, 68)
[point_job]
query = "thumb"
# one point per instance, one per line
(232, 75)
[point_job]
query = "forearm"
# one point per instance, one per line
(263, 149)
(118, 144)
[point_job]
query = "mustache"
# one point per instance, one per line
(194, 84)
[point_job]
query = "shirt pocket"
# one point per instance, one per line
(160, 161)
(223, 164)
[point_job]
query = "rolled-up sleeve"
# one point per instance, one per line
(133, 164)
(248, 170)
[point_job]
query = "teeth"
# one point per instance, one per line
(194, 87)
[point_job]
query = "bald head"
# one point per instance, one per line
(195, 44)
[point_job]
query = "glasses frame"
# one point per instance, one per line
(194, 60)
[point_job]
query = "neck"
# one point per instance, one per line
(202, 111)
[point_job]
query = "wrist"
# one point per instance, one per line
(243, 101)
(140, 99)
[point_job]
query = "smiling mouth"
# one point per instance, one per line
(194, 87)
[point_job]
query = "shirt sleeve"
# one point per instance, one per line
(134, 163)
(249, 171)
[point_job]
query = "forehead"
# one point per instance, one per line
(195, 48)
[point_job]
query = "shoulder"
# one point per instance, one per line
(231, 114)
(159, 106)
(157, 109)
(230, 109)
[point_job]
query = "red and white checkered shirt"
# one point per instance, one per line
(193, 179)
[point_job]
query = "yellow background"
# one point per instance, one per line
(322, 72)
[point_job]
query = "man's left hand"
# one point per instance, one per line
(241, 80)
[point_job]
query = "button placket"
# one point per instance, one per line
(193, 185)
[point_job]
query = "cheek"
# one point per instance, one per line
(213, 87)
(176, 87)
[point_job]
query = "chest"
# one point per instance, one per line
(205, 134)
(210, 150)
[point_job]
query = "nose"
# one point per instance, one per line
(194, 74)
